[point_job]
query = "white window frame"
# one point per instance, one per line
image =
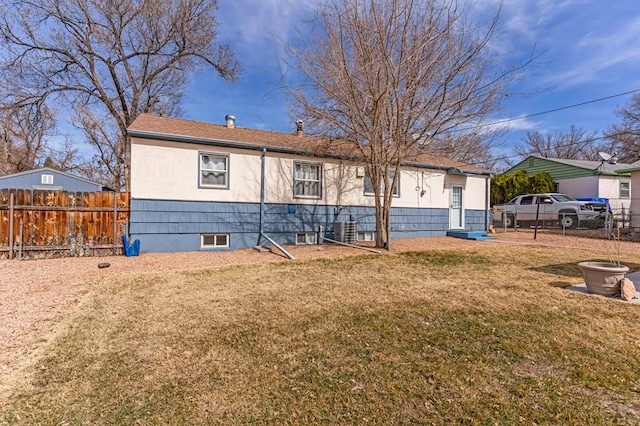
(224, 157)
(216, 242)
(396, 192)
(310, 238)
(316, 181)
(365, 235)
(627, 190)
(46, 179)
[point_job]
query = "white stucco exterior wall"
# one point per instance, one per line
(162, 170)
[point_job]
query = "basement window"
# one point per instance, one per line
(215, 240)
(306, 238)
(366, 236)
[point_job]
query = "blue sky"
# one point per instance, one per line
(588, 49)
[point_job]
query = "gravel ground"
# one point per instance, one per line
(35, 294)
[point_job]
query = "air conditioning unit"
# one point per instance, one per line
(345, 232)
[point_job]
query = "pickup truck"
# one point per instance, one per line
(552, 207)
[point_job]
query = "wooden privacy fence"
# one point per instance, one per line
(42, 223)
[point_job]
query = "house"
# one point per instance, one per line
(46, 178)
(200, 186)
(634, 202)
(581, 178)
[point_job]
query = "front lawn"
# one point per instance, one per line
(464, 336)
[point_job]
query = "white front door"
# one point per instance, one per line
(456, 212)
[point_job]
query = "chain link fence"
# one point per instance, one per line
(614, 219)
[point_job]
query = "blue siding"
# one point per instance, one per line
(166, 226)
(477, 220)
(61, 181)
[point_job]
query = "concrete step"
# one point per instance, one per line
(469, 235)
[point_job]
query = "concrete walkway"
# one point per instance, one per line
(633, 276)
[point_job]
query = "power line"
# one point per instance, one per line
(507, 120)
(568, 106)
(505, 157)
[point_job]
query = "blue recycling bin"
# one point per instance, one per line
(130, 249)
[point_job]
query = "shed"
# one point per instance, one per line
(50, 179)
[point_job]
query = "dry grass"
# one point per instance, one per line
(480, 335)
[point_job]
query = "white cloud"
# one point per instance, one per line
(599, 53)
(527, 18)
(257, 23)
(580, 41)
(518, 123)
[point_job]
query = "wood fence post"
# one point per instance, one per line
(11, 206)
(115, 221)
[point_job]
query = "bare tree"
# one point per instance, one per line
(385, 77)
(109, 61)
(22, 131)
(575, 144)
(625, 136)
(471, 148)
(26, 140)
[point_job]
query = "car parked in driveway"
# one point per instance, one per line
(525, 209)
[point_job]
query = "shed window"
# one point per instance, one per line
(214, 170)
(306, 180)
(46, 179)
(624, 189)
(214, 240)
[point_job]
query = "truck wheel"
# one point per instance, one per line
(568, 220)
(509, 221)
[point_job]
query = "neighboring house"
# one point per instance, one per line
(634, 205)
(199, 186)
(581, 178)
(49, 179)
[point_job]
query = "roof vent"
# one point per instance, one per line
(299, 124)
(231, 121)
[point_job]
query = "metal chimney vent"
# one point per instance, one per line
(231, 121)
